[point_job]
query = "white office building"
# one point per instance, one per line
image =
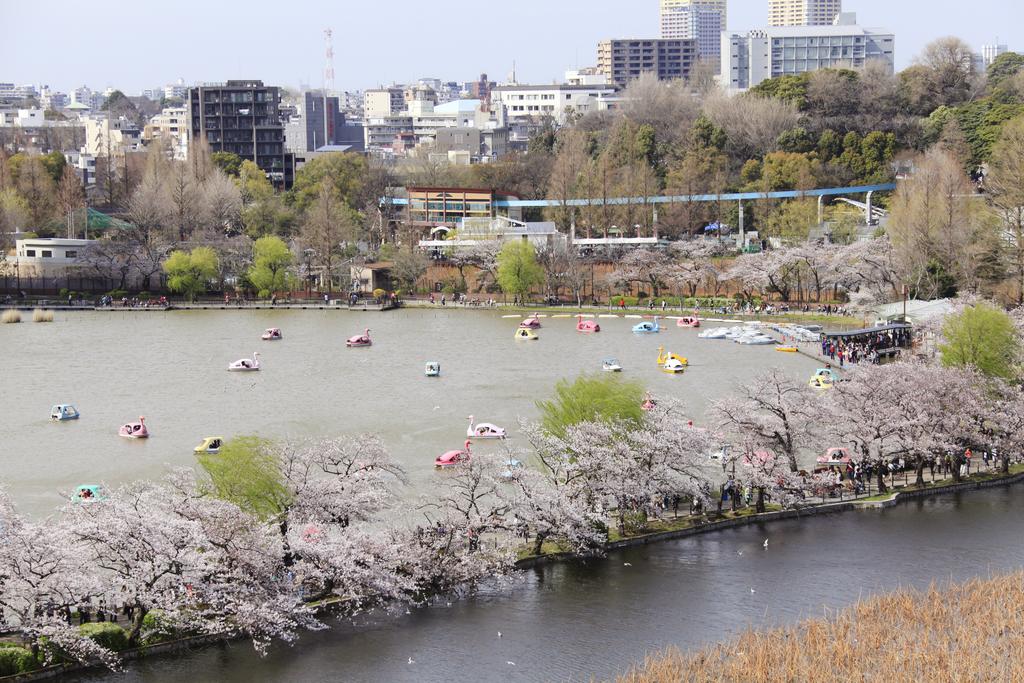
(557, 101)
(749, 59)
(990, 52)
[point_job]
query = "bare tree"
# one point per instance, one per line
(752, 124)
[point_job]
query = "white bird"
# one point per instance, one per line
(411, 661)
(437, 407)
(766, 543)
(752, 590)
(626, 564)
(511, 663)
(448, 604)
(739, 552)
(499, 634)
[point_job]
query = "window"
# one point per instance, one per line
(47, 253)
(30, 252)
(70, 253)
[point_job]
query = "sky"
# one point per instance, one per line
(132, 45)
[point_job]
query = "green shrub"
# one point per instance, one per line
(117, 294)
(156, 628)
(145, 296)
(110, 636)
(16, 660)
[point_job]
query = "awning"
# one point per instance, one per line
(869, 331)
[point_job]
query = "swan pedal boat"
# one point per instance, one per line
(587, 325)
(210, 444)
(664, 358)
(89, 493)
(246, 364)
(359, 340)
(820, 382)
(453, 458)
(272, 334)
(647, 327)
(611, 365)
(526, 333)
(673, 366)
(433, 369)
(688, 321)
(484, 430)
(64, 411)
(531, 323)
(134, 430)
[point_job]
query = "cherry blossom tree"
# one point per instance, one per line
(646, 267)
(772, 411)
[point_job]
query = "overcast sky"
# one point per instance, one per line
(141, 44)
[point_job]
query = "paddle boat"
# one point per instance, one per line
(673, 366)
(511, 465)
(649, 403)
(756, 339)
(246, 364)
(89, 493)
(360, 339)
(714, 333)
(820, 382)
(210, 444)
(664, 358)
(587, 325)
(64, 411)
(786, 349)
(827, 373)
(531, 323)
(484, 430)
(611, 365)
(134, 430)
(688, 321)
(526, 333)
(272, 334)
(433, 369)
(452, 458)
(647, 327)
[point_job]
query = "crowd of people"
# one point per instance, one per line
(868, 347)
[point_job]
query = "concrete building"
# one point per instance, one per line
(721, 6)
(749, 59)
(591, 75)
(317, 121)
(696, 22)
(242, 117)
(383, 102)
(557, 101)
(623, 60)
(10, 91)
(990, 52)
(115, 137)
(47, 257)
(171, 127)
(417, 127)
(803, 12)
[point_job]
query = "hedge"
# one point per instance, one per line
(16, 660)
(110, 636)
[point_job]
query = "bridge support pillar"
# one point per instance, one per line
(867, 218)
(821, 210)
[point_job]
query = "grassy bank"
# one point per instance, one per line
(968, 632)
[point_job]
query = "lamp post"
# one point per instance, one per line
(309, 274)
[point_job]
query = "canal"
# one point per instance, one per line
(569, 622)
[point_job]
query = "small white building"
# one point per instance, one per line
(559, 101)
(48, 257)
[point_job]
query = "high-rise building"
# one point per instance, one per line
(803, 12)
(721, 6)
(749, 59)
(990, 52)
(623, 60)
(242, 117)
(318, 122)
(695, 22)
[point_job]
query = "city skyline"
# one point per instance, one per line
(396, 52)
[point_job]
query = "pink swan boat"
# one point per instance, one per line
(134, 430)
(360, 339)
(688, 321)
(649, 403)
(484, 430)
(531, 323)
(272, 334)
(452, 458)
(587, 325)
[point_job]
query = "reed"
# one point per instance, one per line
(11, 316)
(967, 632)
(40, 315)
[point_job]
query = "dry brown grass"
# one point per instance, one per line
(11, 315)
(40, 315)
(968, 632)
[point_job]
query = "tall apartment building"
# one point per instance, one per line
(803, 12)
(318, 121)
(242, 117)
(383, 102)
(749, 59)
(720, 5)
(696, 21)
(623, 60)
(989, 53)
